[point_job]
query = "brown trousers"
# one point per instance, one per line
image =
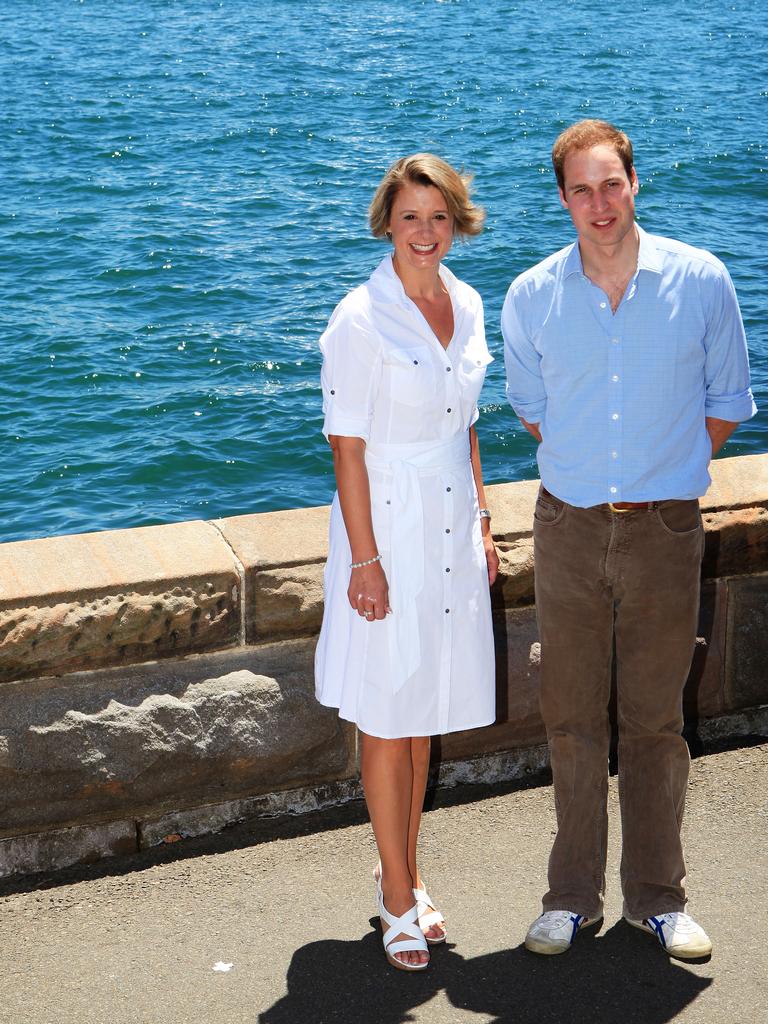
(624, 585)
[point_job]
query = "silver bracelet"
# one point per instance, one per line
(484, 513)
(370, 561)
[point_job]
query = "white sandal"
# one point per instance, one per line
(406, 924)
(428, 917)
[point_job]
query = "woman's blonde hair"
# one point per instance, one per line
(427, 169)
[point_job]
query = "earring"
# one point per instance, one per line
(388, 234)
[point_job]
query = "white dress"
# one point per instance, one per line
(428, 667)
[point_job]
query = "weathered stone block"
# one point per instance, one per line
(740, 482)
(283, 555)
(736, 542)
(746, 683)
(80, 602)
(704, 694)
(518, 720)
(60, 848)
(514, 584)
(171, 735)
(285, 602)
(511, 507)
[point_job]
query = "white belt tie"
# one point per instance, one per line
(406, 462)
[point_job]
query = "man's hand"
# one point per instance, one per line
(719, 431)
(533, 429)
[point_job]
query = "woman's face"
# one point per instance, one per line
(421, 226)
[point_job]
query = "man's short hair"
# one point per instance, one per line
(427, 169)
(585, 135)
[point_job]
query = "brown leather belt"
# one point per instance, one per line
(614, 506)
(629, 506)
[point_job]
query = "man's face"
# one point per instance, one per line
(598, 195)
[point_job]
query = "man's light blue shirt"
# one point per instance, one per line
(621, 398)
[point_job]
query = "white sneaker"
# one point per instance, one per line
(678, 934)
(555, 931)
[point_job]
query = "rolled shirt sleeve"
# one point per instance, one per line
(351, 372)
(525, 385)
(726, 367)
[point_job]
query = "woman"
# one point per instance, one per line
(406, 646)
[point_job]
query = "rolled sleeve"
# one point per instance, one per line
(728, 394)
(525, 385)
(350, 374)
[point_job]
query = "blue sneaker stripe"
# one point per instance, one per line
(576, 920)
(658, 926)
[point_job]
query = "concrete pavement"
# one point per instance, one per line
(290, 905)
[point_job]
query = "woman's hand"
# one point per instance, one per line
(491, 557)
(368, 591)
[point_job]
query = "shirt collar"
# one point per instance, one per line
(648, 256)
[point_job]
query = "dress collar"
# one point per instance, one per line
(386, 286)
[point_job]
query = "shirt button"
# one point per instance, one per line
(447, 570)
(614, 490)
(447, 529)
(448, 489)
(603, 305)
(614, 341)
(415, 362)
(447, 610)
(614, 455)
(615, 377)
(615, 416)
(332, 391)
(447, 369)
(448, 410)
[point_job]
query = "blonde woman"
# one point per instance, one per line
(406, 646)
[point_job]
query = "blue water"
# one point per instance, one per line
(184, 187)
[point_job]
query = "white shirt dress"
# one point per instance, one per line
(428, 667)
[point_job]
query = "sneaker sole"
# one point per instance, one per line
(549, 949)
(678, 954)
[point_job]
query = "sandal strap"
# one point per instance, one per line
(433, 917)
(406, 924)
(424, 901)
(422, 896)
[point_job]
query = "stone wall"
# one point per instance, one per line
(157, 683)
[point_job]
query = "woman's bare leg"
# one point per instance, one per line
(388, 776)
(420, 746)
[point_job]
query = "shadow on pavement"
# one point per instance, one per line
(618, 977)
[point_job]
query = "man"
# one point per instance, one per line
(626, 359)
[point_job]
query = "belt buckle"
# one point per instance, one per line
(613, 508)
